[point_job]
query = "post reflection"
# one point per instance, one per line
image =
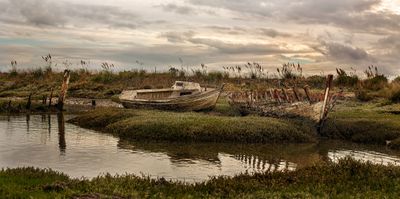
(28, 119)
(61, 133)
(49, 124)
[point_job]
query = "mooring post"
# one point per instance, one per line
(51, 97)
(29, 103)
(324, 112)
(326, 96)
(44, 99)
(64, 89)
(9, 106)
(93, 103)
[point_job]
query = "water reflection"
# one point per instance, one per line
(28, 119)
(41, 141)
(61, 133)
(252, 157)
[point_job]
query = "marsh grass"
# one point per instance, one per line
(365, 123)
(174, 126)
(348, 178)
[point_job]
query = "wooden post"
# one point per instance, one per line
(44, 99)
(307, 91)
(272, 95)
(296, 94)
(266, 96)
(29, 103)
(64, 89)
(9, 106)
(94, 103)
(286, 95)
(51, 97)
(326, 97)
(278, 96)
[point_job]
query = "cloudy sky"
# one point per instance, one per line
(319, 34)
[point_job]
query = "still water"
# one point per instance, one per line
(47, 141)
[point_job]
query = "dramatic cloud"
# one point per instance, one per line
(56, 13)
(340, 52)
(319, 34)
(273, 33)
(184, 10)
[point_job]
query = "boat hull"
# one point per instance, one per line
(196, 102)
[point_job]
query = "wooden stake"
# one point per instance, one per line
(278, 97)
(64, 89)
(9, 106)
(272, 95)
(51, 97)
(296, 94)
(29, 103)
(286, 95)
(326, 97)
(44, 99)
(307, 91)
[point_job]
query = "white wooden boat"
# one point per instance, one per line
(182, 96)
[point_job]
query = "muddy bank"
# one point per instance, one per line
(18, 105)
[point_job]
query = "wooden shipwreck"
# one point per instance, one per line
(182, 96)
(285, 102)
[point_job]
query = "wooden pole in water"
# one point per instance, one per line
(44, 99)
(9, 106)
(29, 103)
(64, 89)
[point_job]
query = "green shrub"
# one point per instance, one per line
(364, 95)
(38, 73)
(345, 80)
(394, 93)
(316, 81)
(397, 80)
(104, 77)
(375, 83)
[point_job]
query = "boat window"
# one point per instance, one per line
(179, 84)
(185, 93)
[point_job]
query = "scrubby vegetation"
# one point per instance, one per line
(346, 179)
(346, 80)
(372, 123)
(172, 126)
(366, 123)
